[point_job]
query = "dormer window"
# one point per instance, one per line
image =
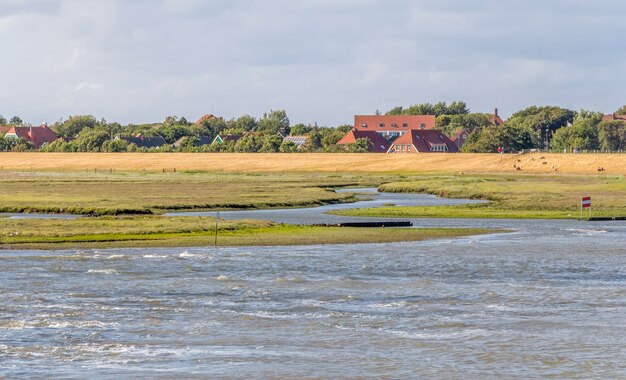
(405, 125)
(394, 125)
(364, 125)
(382, 125)
(422, 126)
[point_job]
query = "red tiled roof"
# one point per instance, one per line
(379, 143)
(423, 140)
(393, 123)
(37, 136)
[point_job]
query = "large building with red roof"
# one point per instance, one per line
(36, 136)
(393, 125)
(423, 141)
(378, 144)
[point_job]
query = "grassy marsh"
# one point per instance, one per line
(156, 231)
(510, 196)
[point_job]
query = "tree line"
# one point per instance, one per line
(535, 127)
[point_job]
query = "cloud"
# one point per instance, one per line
(321, 60)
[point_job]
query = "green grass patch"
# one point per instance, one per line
(109, 232)
(123, 193)
(511, 197)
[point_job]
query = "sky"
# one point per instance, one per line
(323, 61)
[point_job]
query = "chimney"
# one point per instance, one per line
(495, 112)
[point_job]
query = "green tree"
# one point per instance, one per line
(300, 129)
(247, 144)
(3, 121)
(71, 127)
(270, 143)
(612, 135)
(344, 128)
(173, 132)
(19, 145)
(274, 121)
(583, 134)
(58, 146)
(621, 110)
(395, 111)
(361, 145)
(288, 147)
(511, 138)
(118, 145)
(15, 120)
(91, 139)
(451, 124)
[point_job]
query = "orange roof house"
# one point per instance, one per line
(393, 125)
(423, 141)
(614, 117)
(378, 143)
(36, 136)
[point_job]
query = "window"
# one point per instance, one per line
(382, 125)
(364, 125)
(405, 125)
(394, 125)
(422, 126)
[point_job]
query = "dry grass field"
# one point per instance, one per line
(319, 162)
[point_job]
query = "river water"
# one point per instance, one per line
(546, 300)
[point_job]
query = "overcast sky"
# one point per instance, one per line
(321, 60)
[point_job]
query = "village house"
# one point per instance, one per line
(299, 141)
(423, 141)
(614, 117)
(391, 126)
(36, 136)
(378, 143)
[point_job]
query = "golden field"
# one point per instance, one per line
(320, 162)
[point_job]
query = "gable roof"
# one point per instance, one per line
(378, 143)
(146, 142)
(424, 139)
(37, 136)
